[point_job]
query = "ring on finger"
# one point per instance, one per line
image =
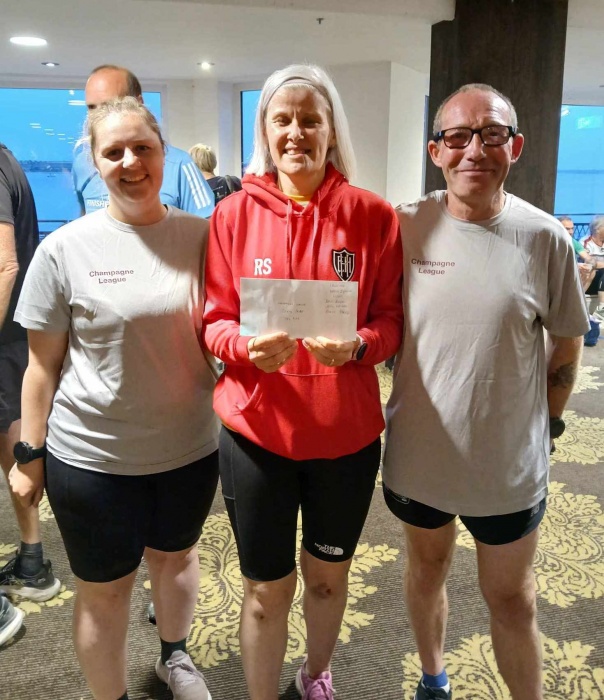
(331, 364)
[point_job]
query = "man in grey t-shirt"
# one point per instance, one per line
(475, 402)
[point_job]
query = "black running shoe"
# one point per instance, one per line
(423, 692)
(11, 619)
(40, 587)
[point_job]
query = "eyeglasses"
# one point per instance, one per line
(461, 136)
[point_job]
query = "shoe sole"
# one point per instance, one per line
(37, 595)
(298, 683)
(12, 628)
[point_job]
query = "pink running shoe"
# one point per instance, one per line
(314, 688)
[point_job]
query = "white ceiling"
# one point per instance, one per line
(245, 39)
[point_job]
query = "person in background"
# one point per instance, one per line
(118, 396)
(476, 403)
(205, 159)
(301, 418)
(28, 574)
(594, 245)
(182, 187)
(588, 264)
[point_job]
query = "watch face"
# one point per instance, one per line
(556, 427)
(361, 351)
(22, 452)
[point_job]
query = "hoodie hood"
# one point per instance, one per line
(265, 191)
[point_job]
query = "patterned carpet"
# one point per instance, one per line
(375, 657)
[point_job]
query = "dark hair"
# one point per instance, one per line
(133, 85)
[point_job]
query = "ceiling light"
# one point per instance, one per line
(28, 41)
(205, 65)
(50, 64)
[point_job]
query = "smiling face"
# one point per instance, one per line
(475, 174)
(130, 159)
(299, 135)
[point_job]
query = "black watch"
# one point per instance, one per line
(361, 350)
(24, 453)
(556, 427)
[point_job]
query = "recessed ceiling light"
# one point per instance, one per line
(28, 41)
(205, 65)
(50, 64)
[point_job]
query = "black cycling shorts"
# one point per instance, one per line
(13, 363)
(107, 520)
(263, 493)
(490, 529)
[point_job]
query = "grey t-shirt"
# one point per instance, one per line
(467, 422)
(135, 394)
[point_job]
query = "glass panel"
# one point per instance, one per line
(249, 104)
(580, 179)
(41, 127)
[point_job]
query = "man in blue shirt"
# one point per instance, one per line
(183, 187)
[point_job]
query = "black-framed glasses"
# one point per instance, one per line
(490, 135)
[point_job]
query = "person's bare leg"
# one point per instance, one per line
(174, 589)
(27, 518)
(429, 557)
(100, 630)
(507, 582)
(325, 596)
(263, 633)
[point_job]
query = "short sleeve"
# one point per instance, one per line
(567, 312)
(6, 203)
(42, 304)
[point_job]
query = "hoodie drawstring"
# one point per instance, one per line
(289, 236)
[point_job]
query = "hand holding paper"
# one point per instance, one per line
(269, 352)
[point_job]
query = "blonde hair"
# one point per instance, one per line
(309, 76)
(121, 105)
(204, 157)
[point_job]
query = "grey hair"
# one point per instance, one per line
(470, 87)
(309, 76)
(596, 224)
(204, 157)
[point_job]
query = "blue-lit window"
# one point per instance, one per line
(580, 181)
(249, 105)
(41, 127)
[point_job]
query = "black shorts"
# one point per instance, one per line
(13, 363)
(491, 529)
(107, 520)
(263, 493)
(597, 283)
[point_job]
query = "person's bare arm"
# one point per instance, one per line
(9, 267)
(46, 355)
(562, 372)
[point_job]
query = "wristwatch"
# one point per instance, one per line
(556, 427)
(24, 453)
(359, 353)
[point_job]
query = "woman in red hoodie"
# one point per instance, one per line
(302, 417)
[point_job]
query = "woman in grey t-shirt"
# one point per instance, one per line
(120, 395)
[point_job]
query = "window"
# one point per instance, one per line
(41, 127)
(580, 179)
(249, 105)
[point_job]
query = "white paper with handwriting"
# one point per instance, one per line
(302, 308)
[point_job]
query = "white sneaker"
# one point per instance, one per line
(183, 679)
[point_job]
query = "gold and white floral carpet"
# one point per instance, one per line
(375, 657)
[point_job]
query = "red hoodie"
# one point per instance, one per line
(305, 410)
